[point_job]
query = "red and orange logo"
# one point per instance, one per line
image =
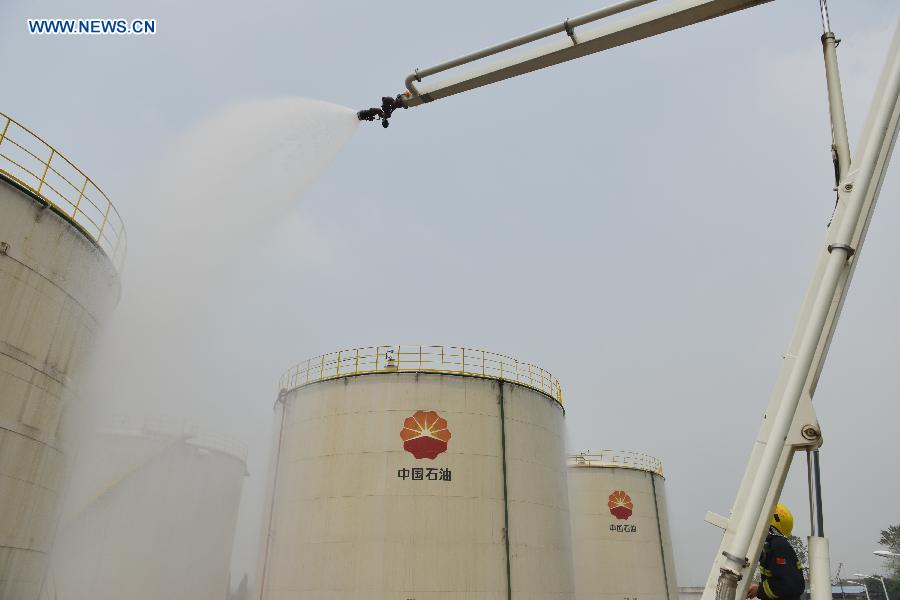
(425, 434)
(620, 505)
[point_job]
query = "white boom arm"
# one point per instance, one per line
(576, 44)
(790, 422)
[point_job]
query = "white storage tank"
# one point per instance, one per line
(151, 516)
(61, 242)
(417, 473)
(620, 527)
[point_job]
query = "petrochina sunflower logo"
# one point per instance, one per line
(425, 434)
(620, 505)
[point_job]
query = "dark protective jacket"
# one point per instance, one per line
(782, 574)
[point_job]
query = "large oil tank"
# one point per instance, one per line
(61, 242)
(151, 516)
(418, 473)
(620, 528)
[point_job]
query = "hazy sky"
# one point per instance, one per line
(642, 223)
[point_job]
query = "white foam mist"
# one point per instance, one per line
(167, 352)
(227, 182)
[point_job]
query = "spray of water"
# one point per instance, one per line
(214, 196)
(220, 190)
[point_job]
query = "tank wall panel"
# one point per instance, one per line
(540, 535)
(667, 539)
(55, 289)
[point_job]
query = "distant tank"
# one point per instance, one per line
(152, 515)
(417, 472)
(620, 528)
(61, 243)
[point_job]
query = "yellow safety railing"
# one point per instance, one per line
(421, 359)
(617, 458)
(38, 167)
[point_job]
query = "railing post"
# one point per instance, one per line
(5, 128)
(80, 196)
(47, 168)
(339, 363)
(103, 224)
(356, 364)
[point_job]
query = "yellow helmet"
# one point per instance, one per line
(783, 520)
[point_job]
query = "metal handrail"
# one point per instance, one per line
(33, 164)
(176, 428)
(421, 359)
(617, 458)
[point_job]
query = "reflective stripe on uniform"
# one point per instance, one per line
(768, 590)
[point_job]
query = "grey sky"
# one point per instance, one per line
(642, 223)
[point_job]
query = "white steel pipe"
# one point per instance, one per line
(819, 568)
(840, 138)
(879, 141)
(568, 24)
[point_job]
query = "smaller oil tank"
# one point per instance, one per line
(151, 514)
(621, 544)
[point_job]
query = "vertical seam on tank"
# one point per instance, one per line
(265, 562)
(662, 549)
(505, 494)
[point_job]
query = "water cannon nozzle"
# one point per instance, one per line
(384, 112)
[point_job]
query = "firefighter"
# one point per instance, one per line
(782, 573)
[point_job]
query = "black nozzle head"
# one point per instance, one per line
(384, 112)
(369, 114)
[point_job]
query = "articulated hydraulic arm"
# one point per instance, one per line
(790, 423)
(572, 45)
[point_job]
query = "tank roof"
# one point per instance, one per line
(40, 170)
(619, 459)
(186, 431)
(453, 360)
